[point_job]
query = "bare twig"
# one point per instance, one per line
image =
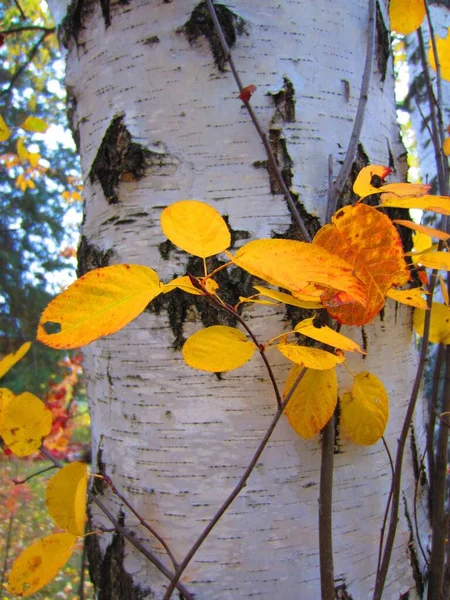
(27, 28)
(21, 481)
(272, 160)
(241, 484)
(432, 413)
(359, 117)
(416, 522)
(19, 8)
(388, 504)
(326, 512)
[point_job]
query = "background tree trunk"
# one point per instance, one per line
(157, 119)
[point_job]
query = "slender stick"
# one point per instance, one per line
(388, 504)
(416, 521)
(27, 28)
(359, 117)
(241, 484)
(272, 160)
(326, 512)
(431, 424)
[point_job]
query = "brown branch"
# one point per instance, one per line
(27, 28)
(432, 413)
(240, 485)
(359, 117)
(272, 160)
(326, 512)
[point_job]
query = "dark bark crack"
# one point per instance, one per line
(90, 257)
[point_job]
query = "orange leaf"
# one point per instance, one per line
(436, 233)
(437, 204)
(246, 93)
(406, 15)
(368, 240)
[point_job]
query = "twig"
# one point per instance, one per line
(416, 522)
(27, 28)
(241, 484)
(388, 504)
(272, 160)
(19, 8)
(439, 535)
(432, 412)
(127, 534)
(359, 117)
(21, 481)
(326, 512)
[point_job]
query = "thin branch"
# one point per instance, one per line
(272, 160)
(27, 28)
(240, 485)
(124, 531)
(359, 117)
(432, 413)
(326, 512)
(416, 522)
(19, 8)
(21, 481)
(388, 504)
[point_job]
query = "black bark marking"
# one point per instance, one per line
(120, 159)
(285, 163)
(364, 341)
(200, 25)
(284, 101)
(340, 590)
(337, 428)
(98, 484)
(90, 257)
(419, 473)
(72, 23)
(383, 45)
(107, 572)
(154, 39)
(412, 551)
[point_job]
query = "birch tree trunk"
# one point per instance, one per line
(157, 118)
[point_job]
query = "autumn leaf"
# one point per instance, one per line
(430, 231)
(326, 335)
(302, 300)
(312, 358)
(5, 398)
(313, 402)
(66, 497)
(444, 289)
(218, 348)
(446, 146)
(439, 323)
(247, 92)
(406, 15)
(22, 152)
(185, 283)
(292, 265)
(363, 186)
(437, 204)
(35, 125)
(195, 227)
(411, 297)
(443, 50)
(365, 410)
(40, 563)
(99, 303)
(26, 420)
(435, 260)
(5, 131)
(368, 240)
(11, 359)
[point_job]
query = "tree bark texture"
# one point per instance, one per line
(157, 118)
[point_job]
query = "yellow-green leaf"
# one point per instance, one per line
(327, 336)
(443, 50)
(312, 358)
(292, 265)
(26, 420)
(11, 359)
(40, 563)
(439, 323)
(195, 227)
(365, 410)
(217, 348)
(311, 303)
(412, 297)
(35, 125)
(437, 204)
(406, 15)
(66, 497)
(435, 260)
(313, 401)
(5, 398)
(99, 303)
(5, 131)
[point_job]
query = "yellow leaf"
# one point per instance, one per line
(308, 302)
(5, 398)
(437, 204)
(312, 358)
(184, 283)
(439, 323)
(292, 265)
(195, 227)
(435, 260)
(66, 497)
(444, 289)
(406, 15)
(22, 152)
(446, 146)
(40, 563)
(34, 158)
(436, 233)
(5, 131)
(411, 297)
(11, 359)
(365, 410)
(242, 299)
(217, 348)
(443, 50)
(26, 420)
(35, 125)
(363, 183)
(326, 335)
(313, 401)
(99, 303)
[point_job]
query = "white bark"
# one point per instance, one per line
(176, 441)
